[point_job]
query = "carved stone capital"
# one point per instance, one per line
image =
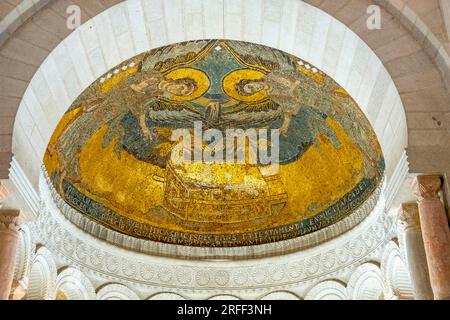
(408, 215)
(427, 187)
(9, 219)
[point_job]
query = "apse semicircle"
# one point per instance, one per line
(111, 157)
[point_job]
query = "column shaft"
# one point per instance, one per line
(436, 234)
(415, 252)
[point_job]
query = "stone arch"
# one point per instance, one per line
(116, 291)
(224, 297)
(166, 296)
(327, 290)
(249, 36)
(407, 16)
(42, 279)
(74, 285)
(395, 272)
(280, 295)
(366, 283)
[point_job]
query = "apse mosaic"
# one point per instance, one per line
(110, 155)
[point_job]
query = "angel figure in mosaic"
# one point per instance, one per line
(296, 114)
(129, 104)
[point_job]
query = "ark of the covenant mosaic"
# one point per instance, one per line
(111, 155)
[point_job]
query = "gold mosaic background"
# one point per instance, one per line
(109, 156)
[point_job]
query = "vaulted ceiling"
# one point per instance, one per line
(113, 156)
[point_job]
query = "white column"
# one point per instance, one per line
(415, 251)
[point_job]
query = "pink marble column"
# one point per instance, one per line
(408, 216)
(8, 239)
(435, 232)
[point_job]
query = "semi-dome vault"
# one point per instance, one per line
(110, 157)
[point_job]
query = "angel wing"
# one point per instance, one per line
(251, 118)
(172, 116)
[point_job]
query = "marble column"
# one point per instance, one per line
(408, 216)
(9, 235)
(435, 233)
